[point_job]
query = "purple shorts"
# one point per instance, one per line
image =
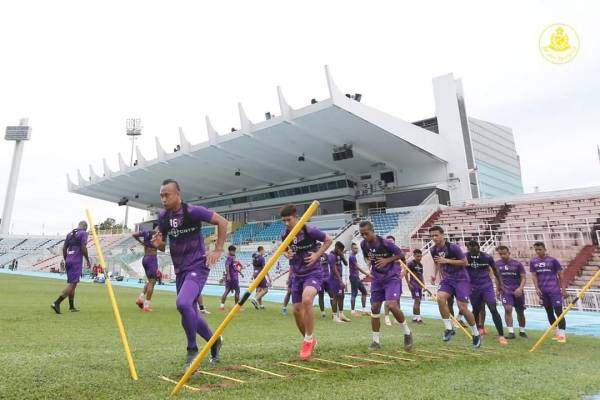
(388, 289)
(416, 292)
(551, 299)
(232, 284)
(313, 279)
(150, 264)
(263, 284)
(482, 295)
(73, 272)
(332, 287)
(461, 290)
(509, 299)
(199, 275)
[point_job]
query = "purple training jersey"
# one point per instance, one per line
(258, 262)
(478, 267)
(353, 266)
(378, 249)
(230, 266)
(325, 266)
(74, 240)
(335, 261)
(510, 272)
(546, 269)
(306, 242)
(147, 238)
(417, 269)
(186, 242)
(452, 252)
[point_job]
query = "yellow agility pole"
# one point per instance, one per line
(235, 310)
(405, 268)
(113, 300)
(566, 310)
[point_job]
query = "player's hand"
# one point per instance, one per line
(289, 254)
(212, 257)
(382, 262)
(311, 259)
(433, 280)
(440, 260)
(157, 240)
(518, 292)
(499, 294)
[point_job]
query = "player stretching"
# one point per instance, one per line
(416, 290)
(356, 284)
(450, 259)
(74, 248)
(304, 254)
(150, 264)
(181, 224)
(513, 281)
(547, 276)
(336, 284)
(258, 262)
(232, 281)
(382, 255)
(479, 265)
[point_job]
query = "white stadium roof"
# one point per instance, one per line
(266, 153)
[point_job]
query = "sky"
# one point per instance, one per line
(79, 69)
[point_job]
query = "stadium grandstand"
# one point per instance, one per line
(361, 164)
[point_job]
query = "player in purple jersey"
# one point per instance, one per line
(304, 253)
(356, 284)
(258, 263)
(547, 276)
(479, 265)
(382, 256)
(74, 250)
(180, 224)
(324, 261)
(150, 264)
(513, 281)
(336, 284)
(450, 260)
(416, 290)
(232, 280)
(386, 308)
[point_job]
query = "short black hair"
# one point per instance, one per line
(288, 210)
(417, 251)
(231, 248)
(170, 180)
(390, 237)
(473, 242)
(436, 228)
(260, 248)
(366, 224)
(339, 245)
(502, 248)
(539, 244)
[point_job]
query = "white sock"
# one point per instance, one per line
(308, 338)
(142, 296)
(511, 329)
(474, 330)
(222, 305)
(405, 327)
(146, 303)
(414, 318)
(417, 317)
(376, 337)
(561, 332)
(521, 329)
(447, 324)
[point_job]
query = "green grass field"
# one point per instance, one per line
(79, 355)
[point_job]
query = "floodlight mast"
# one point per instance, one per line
(19, 134)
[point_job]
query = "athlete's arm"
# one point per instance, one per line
(65, 250)
(436, 272)
(221, 223)
(499, 285)
(561, 281)
(454, 263)
(519, 290)
(534, 279)
(136, 236)
(84, 251)
(314, 257)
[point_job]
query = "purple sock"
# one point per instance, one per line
(203, 329)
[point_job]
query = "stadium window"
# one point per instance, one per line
(331, 185)
(314, 188)
(297, 190)
(350, 184)
(322, 187)
(304, 189)
(387, 177)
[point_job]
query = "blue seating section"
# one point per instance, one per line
(271, 232)
(384, 223)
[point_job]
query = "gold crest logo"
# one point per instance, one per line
(559, 43)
